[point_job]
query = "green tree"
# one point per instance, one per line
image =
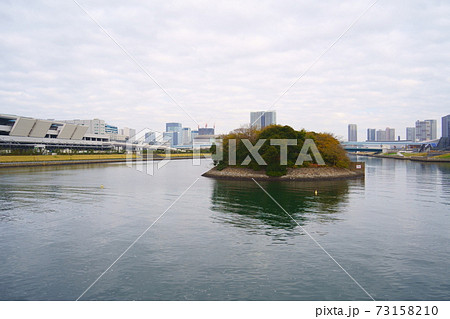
(329, 147)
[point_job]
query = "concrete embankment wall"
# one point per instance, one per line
(78, 162)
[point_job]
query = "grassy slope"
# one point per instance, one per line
(443, 156)
(425, 155)
(414, 154)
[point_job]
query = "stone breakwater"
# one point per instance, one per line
(293, 174)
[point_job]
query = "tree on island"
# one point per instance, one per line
(328, 146)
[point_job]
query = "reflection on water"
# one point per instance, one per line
(444, 168)
(39, 190)
(243, 204)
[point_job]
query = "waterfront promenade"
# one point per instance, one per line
(52, 160)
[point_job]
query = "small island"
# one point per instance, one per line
(281, 153)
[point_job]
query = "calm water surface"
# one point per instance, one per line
(223, 240)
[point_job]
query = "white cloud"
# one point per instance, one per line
(220, 60)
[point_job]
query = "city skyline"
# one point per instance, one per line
(396, 73)
(421, 130)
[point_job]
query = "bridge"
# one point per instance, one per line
(378, 147)
(362, 149)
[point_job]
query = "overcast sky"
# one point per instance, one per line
(222, 59)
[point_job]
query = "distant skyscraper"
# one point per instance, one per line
(446, 126)
(128, 132)
(168, 138)
(260, 120)
(173, 127)
(411, 134)
(433, 124)
(390, 134)
(187, 136)
(176, 129)
(426, 130)
(371, 134)
(205, 131)
(352, 133)
(381, 136)
(422, 128)
(194, 134)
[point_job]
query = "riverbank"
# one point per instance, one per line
(424, 158)
(53, 160)
(293, 174)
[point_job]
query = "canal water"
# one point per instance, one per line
(224, 240)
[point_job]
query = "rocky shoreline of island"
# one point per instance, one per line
(293, 174)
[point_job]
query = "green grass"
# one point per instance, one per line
(414, 154)
(443, 156)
